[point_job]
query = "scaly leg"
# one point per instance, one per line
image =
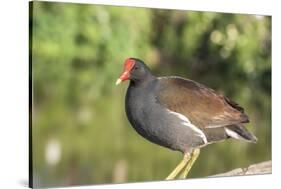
(179, 168)
(194, 156)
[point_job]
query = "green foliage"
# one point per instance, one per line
(77, 54)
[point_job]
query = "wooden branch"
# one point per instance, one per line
(260, 168)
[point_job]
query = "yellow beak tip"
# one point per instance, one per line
(118, 81)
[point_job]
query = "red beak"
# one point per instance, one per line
(128, 65)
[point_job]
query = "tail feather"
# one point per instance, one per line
(240, 132)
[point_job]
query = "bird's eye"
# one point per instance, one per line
(135, 68)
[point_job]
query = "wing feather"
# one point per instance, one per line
(202, 105)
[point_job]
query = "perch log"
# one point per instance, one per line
(259, 168)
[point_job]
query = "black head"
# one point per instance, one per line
(134, 70)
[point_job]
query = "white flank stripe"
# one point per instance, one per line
(186, 122)
(232, 134)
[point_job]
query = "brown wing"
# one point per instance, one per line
(201, 105)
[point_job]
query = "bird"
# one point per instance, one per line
(180, 114)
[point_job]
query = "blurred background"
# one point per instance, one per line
(80, 132)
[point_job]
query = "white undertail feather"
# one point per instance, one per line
(185, 121)
(233, 134)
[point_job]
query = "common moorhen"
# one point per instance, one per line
(179, 113)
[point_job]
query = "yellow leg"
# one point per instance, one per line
(179, 168)
(193, 158)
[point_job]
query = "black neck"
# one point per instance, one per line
(143, 81)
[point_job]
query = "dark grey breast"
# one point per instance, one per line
(155, 122)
